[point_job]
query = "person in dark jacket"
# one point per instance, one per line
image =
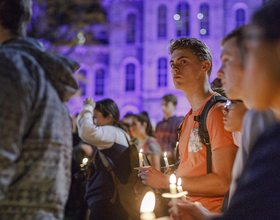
(35, 135)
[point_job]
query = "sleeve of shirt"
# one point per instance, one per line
(154, 148)
(101, 136)
(219, 137)
(15, 104)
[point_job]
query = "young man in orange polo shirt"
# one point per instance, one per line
(191, 64)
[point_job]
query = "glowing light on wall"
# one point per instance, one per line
(200, 16)
(177, 17)
(203, 31)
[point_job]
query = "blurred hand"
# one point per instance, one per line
(153, 178)
(89, 101)
(189, 211)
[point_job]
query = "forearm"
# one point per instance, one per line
(155, 161)
(206, 185)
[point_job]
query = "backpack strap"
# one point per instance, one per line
(203, 132)
(110, 170)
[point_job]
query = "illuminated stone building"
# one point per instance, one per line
(129, 62)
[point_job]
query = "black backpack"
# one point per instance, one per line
(202, 131)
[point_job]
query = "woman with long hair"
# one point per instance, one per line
(98, 125)
(142, 129)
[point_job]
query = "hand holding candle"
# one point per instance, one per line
(140, 158)
(166, 160)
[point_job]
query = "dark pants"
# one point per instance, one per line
(105, 210)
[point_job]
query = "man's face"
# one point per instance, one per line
(231, 71)
(186, 68)
(261, 70)
(167, 107)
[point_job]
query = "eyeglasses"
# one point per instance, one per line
(230, 104)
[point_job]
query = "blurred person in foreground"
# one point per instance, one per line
(256, 195)
(35, 136)
(191, 64)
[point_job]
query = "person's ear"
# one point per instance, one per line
(206, 66)
(109, 119)
(145, 124)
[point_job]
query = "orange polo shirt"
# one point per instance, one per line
(193, 152)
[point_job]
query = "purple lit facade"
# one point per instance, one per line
(133, 67)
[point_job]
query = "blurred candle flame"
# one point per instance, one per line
(148, 202)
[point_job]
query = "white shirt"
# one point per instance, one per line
(102, 137)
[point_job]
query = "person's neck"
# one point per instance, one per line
(6, 35)
(142, 137)
(166, 116)
(197, 94)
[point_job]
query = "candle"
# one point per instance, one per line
(180, 189)
(147, 206)
(141, 158)
(173, 191)
(166, 160)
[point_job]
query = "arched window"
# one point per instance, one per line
(131, 28)
(99, 81)
(82, 79)
(240, 17)
(162, 72)
(162, 22)
(183, 19)
(204, 19)
(130, 77)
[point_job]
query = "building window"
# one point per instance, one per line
(162, 72)
(240, 17)
(82, 79)
(162, 22)
(183, 19)
(131, 28)
(204, 19)
(130, 77)
(99, 81)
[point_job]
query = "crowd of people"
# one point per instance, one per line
(224, 150)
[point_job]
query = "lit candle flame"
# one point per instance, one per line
(179, 182)
(148, 202)
(172, 179)
(141, 151)
(85, 160)
(165, 154)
